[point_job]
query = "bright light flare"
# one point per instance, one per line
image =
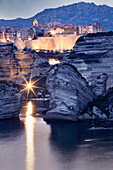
(53, 61)
(52, 32)
(4, 38)
(29, 86)
(29, 38)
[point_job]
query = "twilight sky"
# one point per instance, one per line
(10, 9)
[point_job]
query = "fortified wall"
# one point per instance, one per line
(56, 43)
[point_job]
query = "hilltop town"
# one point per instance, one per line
(10, 34)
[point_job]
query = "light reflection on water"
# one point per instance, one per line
(31, 144)
(29, 109)
(29, 126)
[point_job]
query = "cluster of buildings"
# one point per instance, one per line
(8, 34)
(79, 30)
(92, 28)
(47, 30)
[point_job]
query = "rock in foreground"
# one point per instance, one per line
(10, 101)
(69, 93)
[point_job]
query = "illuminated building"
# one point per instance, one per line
(92, 28)
(35, 23)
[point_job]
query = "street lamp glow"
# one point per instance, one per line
(53, 61)
(52, 32)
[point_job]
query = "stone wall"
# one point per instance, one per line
(55, 43)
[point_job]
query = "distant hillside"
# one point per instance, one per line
(79, 14)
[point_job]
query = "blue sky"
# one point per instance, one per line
(10, 9)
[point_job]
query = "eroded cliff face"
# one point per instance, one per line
(14, 63)
(69, 93)
(10, 100)
(6, 60)
(94, 56)
(99, 85)
(68, 90)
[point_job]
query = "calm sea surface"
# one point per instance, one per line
(31, 144)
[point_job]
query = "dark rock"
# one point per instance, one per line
(69, 93)
(99, 85)
(10, 100)
(105, 103)
(98, 113)
(93, 55)
(83, 117)
(86, 116)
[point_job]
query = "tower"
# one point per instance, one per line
(35, 23)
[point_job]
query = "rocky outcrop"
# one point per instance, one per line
(14, 63)
(105, 103)
(93, 55)
(10, 100)
(94, 115)
(101, 108)
(30, 63)
(95, 110)
(14, 66)
(6, 60)
(98, 113)
(99, 85)
(72, 99)
(69, 93)
(90, 44)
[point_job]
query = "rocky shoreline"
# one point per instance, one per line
(92, 103)
(69, 93)
(76, 91)
(95, 51)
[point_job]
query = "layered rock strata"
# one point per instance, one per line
(69, 93)
(6, 60)
(99, 85)
(105, 103)
(15, 64)
(93, 56)
(11, 100)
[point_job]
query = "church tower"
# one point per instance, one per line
(35, 23)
